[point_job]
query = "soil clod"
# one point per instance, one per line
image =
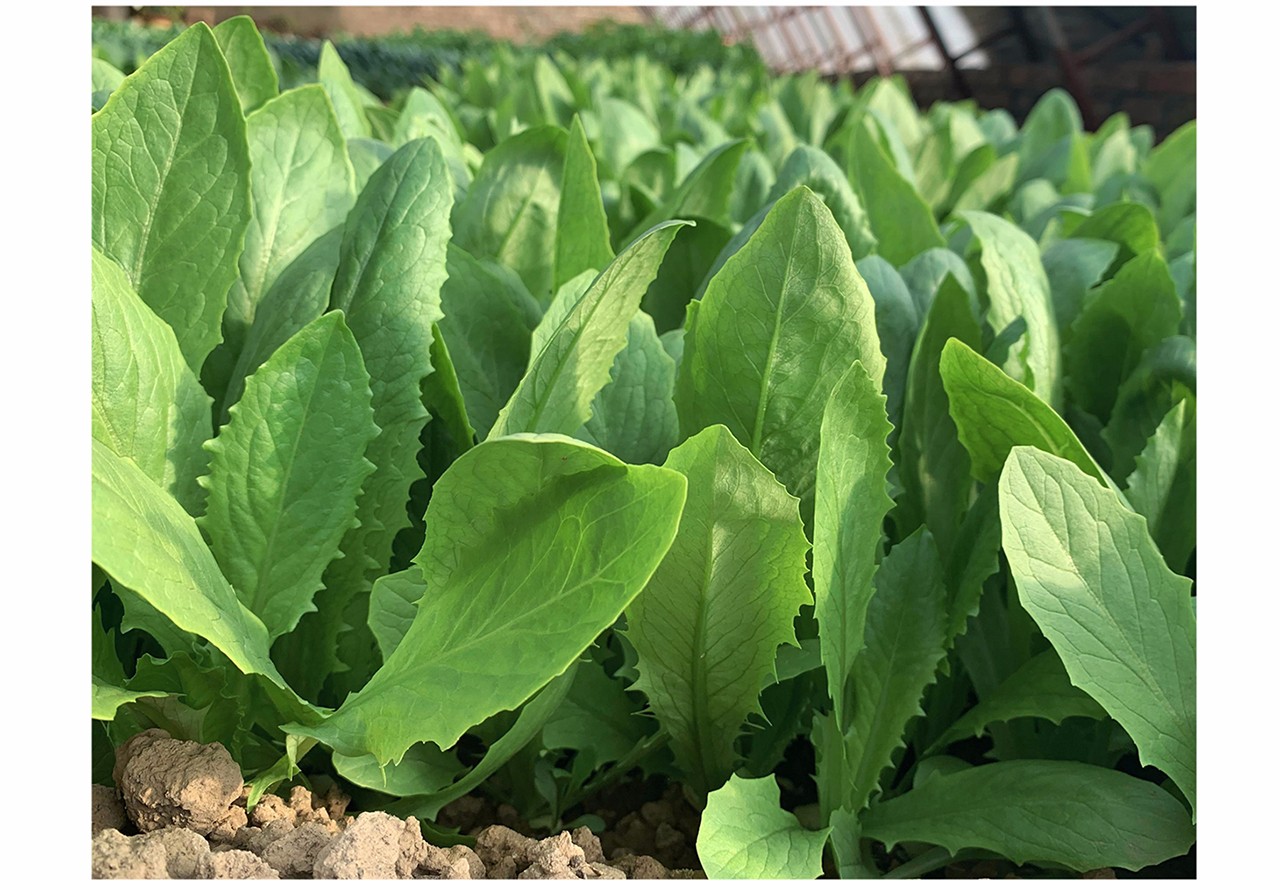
(166, 782)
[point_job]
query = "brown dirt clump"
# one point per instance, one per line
(167, 782)
(108, 810)
(375, 845)
(188, 800)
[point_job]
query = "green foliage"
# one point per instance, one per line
(527, 375)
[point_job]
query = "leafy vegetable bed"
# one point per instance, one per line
(556, 426)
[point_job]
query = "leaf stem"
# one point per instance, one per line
(926, 862)
(618, 770)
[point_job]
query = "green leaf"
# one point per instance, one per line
(705, 192)
(108, 698)
(993, 413)
(442, 393)
(625, 134)
(424, 769)
(897, 324)
(1119, 618)
(745, 833)
(905, 641)
(251, 69)
(106, 77)
(144, 540)
(512, 207)
(851, 501)
(1073, 265)
(488, 316)
(148, 405)
(1129, 225)
(278, 510)
(1165, 372)
(934, 465)
(393, 603)
(388, 283)
(597, 718)
(298, 297)
(903, 223)
(784, 314)
(520, 607)
(1044, 146)
(1171, 168)
(708, 625)
(1077, 815)
(302, 186)
(582, 231)
(925, 274)
(574, 360)
(1121, 320)
(348, 105)
(1162, 486)
(1040, 688)
(1016, 287)
(532, 718)
(367, 155)
(814, 168)
(634, 416)
(171, 203)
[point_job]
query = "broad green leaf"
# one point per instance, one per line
(974, 557)
(388, 283)
(905, 641)
(148, 406)
(934, 465)
(983, 183)
(745, 833)
(633, 417)
(781, 319)
(575, 359)
(286, 470)
(625, 134)
(692, 254)
(897, 324)
(709, 623)
(488, 316)
(423, 115)
(442, 393)
(108, 698)
(1120, 321)
(582, 231)
(302, 186)
(1121, 621)
(367, 155)
(1162, 486)
(597, 718)
(901, 220)
(298, 296)
(393, 603)
(390, 270)
(106, 77)
(1129, 225)
(521, 606)
(994, 413)
(1073, 265)
(1165, 372)
(705, 192)
(1074, 814)
(348, 105)
(1171, 168)
(1016, 287)
(171, 186)
(533, 717)
(814, 168)
(1046, 140)
(424, 769)
(144, 540)
(251, 69)
(925, 274)
(850, 503)
(1040, 688)
(512, 207)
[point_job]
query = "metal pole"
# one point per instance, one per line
(957, 77)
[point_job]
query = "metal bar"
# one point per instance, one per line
(884, 64)
(957, 78)
(1111, 41)
(1029, 44)
(1070, 69)
(993, 37)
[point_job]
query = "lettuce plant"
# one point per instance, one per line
(560, 421)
